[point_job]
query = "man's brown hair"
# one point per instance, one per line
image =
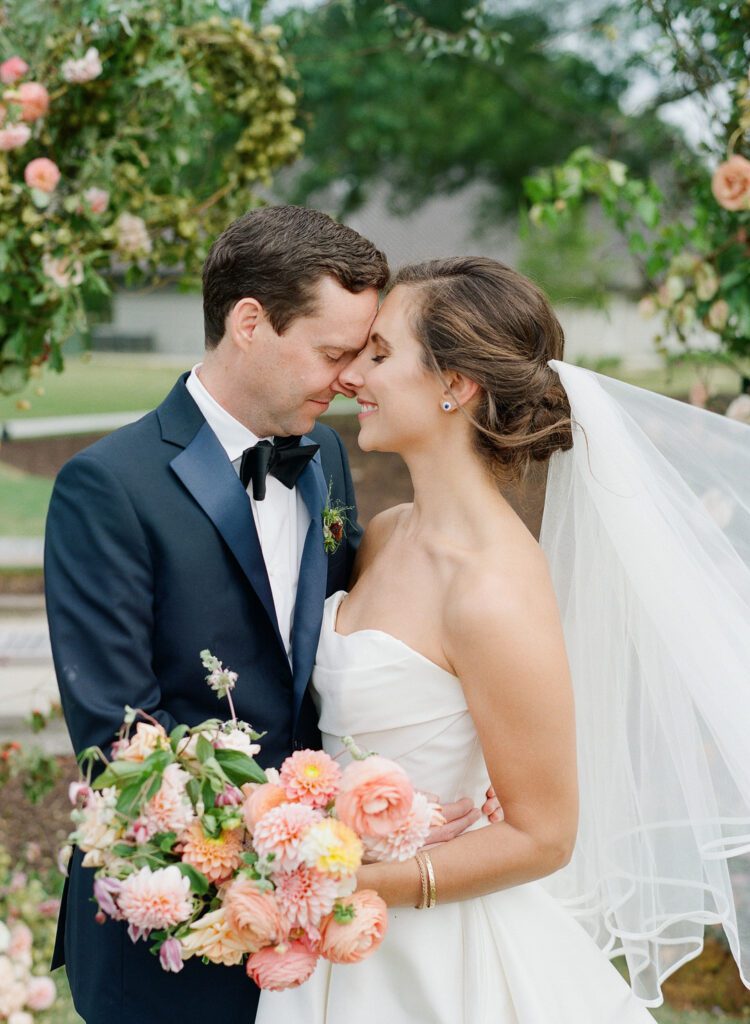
(277, 255)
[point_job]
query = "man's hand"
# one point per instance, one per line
(460, 815)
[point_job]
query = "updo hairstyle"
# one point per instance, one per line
(482, 319)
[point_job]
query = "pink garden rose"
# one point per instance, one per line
(97, 199)
(13, 136)
(731, 183)
(42, 173)
(259, 801)
(349, 942)
(284, 966)
(34, 100)
(41, 993)
(252, 914)
(12, 69)
(376, 796)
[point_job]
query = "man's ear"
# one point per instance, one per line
(243, 320)
(461, 389)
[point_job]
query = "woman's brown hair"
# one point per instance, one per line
(483, 319)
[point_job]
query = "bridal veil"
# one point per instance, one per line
(646, 528)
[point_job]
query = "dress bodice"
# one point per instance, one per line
(394, 701)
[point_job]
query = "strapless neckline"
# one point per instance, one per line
(335, 603)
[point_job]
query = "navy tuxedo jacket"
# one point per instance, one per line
(151, 556)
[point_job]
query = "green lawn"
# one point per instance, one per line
(23, 503)
(105, 383)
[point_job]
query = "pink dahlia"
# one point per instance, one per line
(376, 796)
(311, 777)
(304, 896)
(280, 833)
(170, 809)
(284, 966)
(217, 859)
(155, 899)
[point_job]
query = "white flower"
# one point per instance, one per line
(739, 409)
(84, 70)
(62, 271)
(4, 937)
(237, 739)
(96, 833)
(132, 235)
(145, 740)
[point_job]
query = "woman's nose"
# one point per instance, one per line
(350, 379)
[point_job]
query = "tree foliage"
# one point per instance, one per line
(129, 133)
(428, 97)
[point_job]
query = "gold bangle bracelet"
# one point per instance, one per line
(432, 894)
(423, 881)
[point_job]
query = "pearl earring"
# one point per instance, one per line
(447, 406)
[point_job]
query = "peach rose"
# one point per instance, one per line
(252, 914)
(12, 69)
(731, 183)
(41, 993)
(14, 136)
(376, 796)
(42, 173)
(34, 100)
(351, 941)
(261, 800)
(284, 966)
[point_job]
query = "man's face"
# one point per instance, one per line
(292, 377)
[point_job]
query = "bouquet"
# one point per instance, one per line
(202, 853)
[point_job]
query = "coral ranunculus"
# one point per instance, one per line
(217, 859)
(311, 777)
(351, 941)
(252, 914)
(42, 173)
(376, 796)
(285, 966)
(259, 801)
(731, 183)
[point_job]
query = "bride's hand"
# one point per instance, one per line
(491, 808)
(460, 815)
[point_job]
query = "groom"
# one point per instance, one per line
(196, 528)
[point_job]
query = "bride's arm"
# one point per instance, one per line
(506, 646)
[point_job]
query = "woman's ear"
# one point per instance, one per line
(461, 389)
(242, 320)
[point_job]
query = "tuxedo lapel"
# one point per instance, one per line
(311, 586)
(207, 473)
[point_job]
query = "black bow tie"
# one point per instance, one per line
(285, 459)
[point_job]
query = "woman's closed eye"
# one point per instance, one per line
(377, 359)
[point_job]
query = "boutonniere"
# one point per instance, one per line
(334, 523)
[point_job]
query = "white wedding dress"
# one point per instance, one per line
(513, 957)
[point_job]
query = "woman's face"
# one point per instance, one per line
(400, 398)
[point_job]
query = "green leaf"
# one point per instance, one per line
(176, 735)
(198, 881)
(648, 210)
(130, 798)
(165, 841)
(203, 749)
(239, 768)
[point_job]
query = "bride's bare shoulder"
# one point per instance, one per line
(499, 589)
(376, 535)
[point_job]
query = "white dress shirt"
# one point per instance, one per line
(281, 519)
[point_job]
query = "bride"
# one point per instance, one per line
(473, 654)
